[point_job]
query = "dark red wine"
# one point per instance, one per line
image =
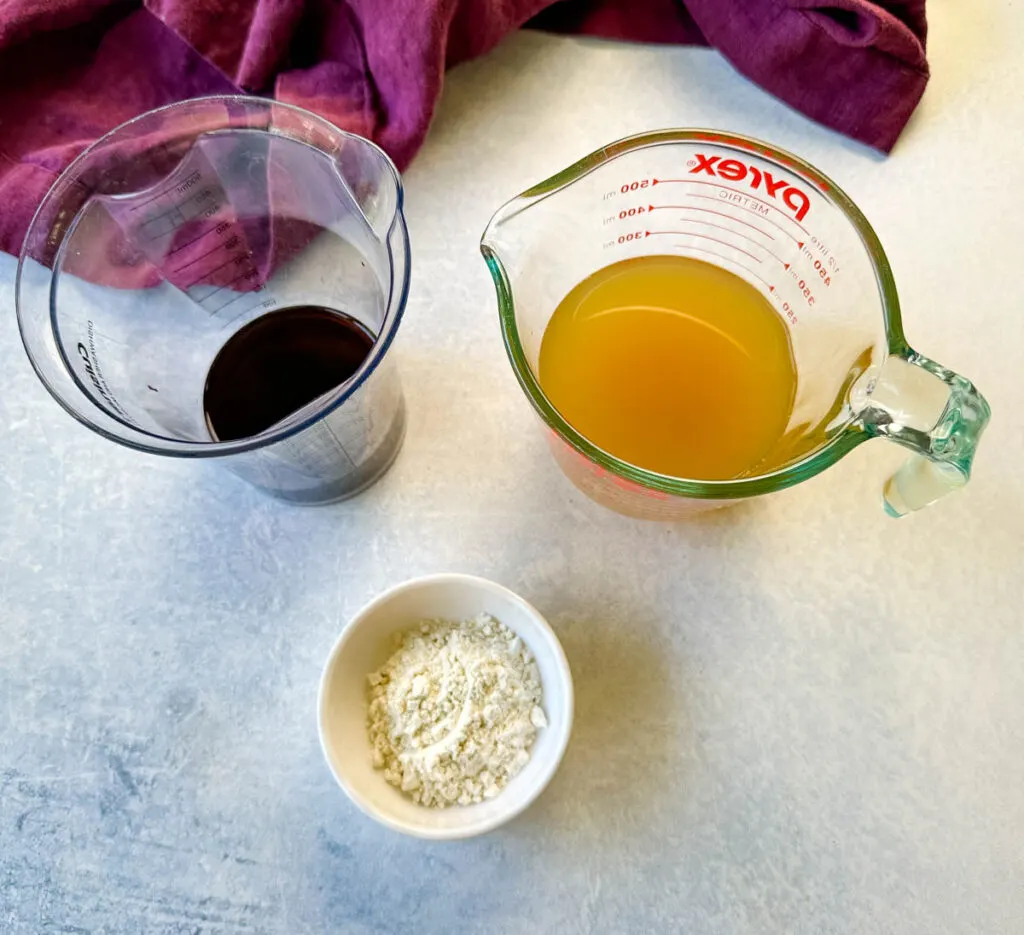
(277, 364)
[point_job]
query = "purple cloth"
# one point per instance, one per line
(70, 70)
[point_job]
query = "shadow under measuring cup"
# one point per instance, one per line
(177, 235)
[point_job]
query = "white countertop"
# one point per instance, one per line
(793, 716)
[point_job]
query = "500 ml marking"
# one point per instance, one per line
(628, 187)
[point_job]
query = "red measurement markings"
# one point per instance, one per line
(724, 243)
(718, 201)
(720, 214)
(736, 191)
(729, 230)
(790, 313)
(726, 259)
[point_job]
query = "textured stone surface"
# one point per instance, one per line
(795, 716)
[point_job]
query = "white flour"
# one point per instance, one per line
(454, 712)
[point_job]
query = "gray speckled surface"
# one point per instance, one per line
(795, 716)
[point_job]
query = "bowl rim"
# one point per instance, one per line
(552, 646)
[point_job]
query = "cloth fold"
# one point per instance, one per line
(70, 70)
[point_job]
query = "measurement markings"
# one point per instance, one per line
(720, 214)
(248, 273)
(718, 201)
(728, 230)
(198, 258)
(746, 269)
(724, 243)
(162, 215)
(736, 191)
(189, 243)
(149, 200)
(241, 295)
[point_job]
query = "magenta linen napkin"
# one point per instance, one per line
(72, 69)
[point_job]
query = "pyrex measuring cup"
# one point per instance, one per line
(181, 227)
(776, 221)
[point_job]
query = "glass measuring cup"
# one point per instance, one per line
(789, 231)
(181, 227)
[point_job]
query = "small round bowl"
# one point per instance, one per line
(365, 645)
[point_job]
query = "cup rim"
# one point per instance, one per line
(552, 646)
(112, 427)
(813, 463)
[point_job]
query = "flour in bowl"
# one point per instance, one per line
(454, 713)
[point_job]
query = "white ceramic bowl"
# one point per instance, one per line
(364, 646)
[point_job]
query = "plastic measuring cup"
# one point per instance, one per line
(776, 221)
(181, 227)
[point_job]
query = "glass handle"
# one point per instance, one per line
(937, 414)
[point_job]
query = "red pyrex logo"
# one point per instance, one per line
(735, 171)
